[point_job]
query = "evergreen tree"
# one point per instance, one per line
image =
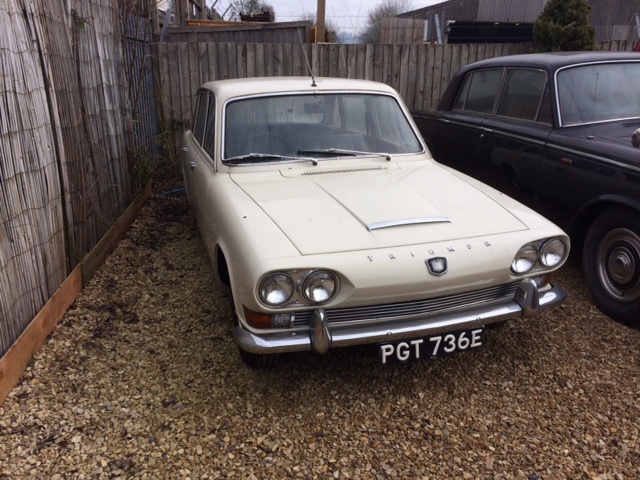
(564, 26)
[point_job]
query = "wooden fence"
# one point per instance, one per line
(65, 146)
(418, 72)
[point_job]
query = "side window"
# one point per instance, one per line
(210, 126)
(200, 116)
(479, 91)
(523, 93)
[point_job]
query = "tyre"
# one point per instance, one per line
(258, 361)
(611, 262)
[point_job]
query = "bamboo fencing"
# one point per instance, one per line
(64, 154)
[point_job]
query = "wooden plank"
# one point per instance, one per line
(411, 74)
(437, 74)
(97, 256)
(212, 66)
(259, 55)
(15, 361)
(419, 102)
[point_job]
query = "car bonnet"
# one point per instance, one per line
(346, 209)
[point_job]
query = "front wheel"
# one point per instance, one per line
(611, 262)
(257, 360)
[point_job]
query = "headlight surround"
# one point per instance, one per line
(319, 287)
(552, 252)
(540, 256)
(525, 260)
(298, 288)
(276, 289)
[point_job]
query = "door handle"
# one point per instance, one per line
(193, 165)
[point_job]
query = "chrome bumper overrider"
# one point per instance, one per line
(321, 335)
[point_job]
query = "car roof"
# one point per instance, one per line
(225, 89)
(556, 60)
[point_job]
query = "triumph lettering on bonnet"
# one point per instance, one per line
(431, 251)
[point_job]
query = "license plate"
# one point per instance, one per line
(429, 347)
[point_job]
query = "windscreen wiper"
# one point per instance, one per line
(252, 158)
(341, 152)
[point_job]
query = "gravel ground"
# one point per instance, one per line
(142, 379)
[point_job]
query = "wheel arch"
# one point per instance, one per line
(222, 268)
(581, 221)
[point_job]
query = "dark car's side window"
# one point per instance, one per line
(200, 116)
(522, 97)
(210, 130)
(479, 91)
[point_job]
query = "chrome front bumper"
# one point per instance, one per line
(321, 335)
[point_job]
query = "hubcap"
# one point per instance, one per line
(619, 264)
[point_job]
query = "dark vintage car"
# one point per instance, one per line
(561, 133)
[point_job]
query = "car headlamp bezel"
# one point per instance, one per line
(269, 286)
(540, 256)
(302, 282)
(319, 281)
(546, 252)
(525, 259)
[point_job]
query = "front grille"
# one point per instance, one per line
(420, 308)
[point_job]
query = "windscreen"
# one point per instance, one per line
(298, 124)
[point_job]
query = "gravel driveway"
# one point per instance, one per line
(142, 380)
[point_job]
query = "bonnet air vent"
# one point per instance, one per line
(344, 170)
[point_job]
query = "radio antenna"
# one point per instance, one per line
(306, 58)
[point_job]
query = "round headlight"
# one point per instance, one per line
(319, 287)
(552, 252)
(276, 289)
(525, 259)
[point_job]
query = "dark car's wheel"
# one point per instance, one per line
(611, 261)
(257, 361)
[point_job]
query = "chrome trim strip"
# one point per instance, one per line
(513, 136)
(419, 326)
(407, 221)
(590, 156)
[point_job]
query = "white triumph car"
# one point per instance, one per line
(325, 214)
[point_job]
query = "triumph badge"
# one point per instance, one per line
(437, 265)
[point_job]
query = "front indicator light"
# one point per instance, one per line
(525, 259)
(553, 252)
(276, 289)
(319, 287)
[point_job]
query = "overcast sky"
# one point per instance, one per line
(347, 15)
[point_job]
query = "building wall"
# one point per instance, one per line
(612, 19)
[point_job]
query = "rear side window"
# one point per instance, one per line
(200, 118)
(523, 94)
(479, 91)
(210, 130)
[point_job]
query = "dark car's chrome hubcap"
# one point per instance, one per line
(619, 264)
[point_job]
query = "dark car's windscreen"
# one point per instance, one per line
(599, 93)
(291, 124)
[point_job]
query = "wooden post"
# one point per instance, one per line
(320, 24)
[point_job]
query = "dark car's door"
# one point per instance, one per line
(573, 177)
(514, 140)
(459, 133)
